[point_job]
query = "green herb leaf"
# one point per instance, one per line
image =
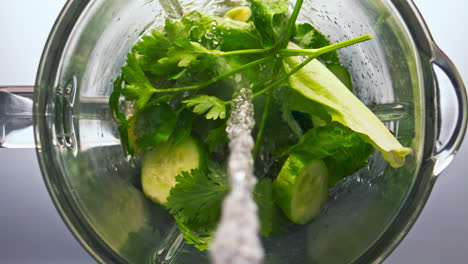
(270, 18)
(152, 48)
(154, 125)
(317, 84)
(138, 86)
(225, 34)
(308, 37)
(200, 240)
(114, 100)
(120, 118)
(211, 105)
(197, 197)
(183, 127)
(343, 150)
(216, 137)
(326, 141)
(181, 54)
(176, 29)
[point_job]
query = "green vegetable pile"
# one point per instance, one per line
(311, 130)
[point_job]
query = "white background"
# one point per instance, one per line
(32, 232)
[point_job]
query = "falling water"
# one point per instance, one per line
(237, 240)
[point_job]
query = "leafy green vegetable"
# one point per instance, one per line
(200, 240)
(216, 137)
(270, 18)
(197, 197)
(175, 30)
(316, 83)
(211, 105)
(138, 86)
(152, 48)
(308, 37)
(183, 127)
(342, 74)
(181, 54)
(223, 33)
(154, 125)
(119, 117)
(297, 102)
(196, 203)
(114, 100)
(343, 150)
(196, 200)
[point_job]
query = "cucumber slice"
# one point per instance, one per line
(161, 165)
(301, 188)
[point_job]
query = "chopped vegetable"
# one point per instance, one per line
(301, 188)
(162, 165)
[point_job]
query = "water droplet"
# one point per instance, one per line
(209, 35)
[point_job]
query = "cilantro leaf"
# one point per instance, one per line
(138, 86)
(200, 240)
(216, 137)
(154, 125)
(152, 48)
(183, 127)
(343, 150)
(213, 106)
(215, 32)
(270, 18)
(114, 100)
(175, 30)
(182, 54)
(197, 197)
(120, 118)
(308, 37)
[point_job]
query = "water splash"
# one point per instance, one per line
(237, 240)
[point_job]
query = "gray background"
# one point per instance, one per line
(32, 232)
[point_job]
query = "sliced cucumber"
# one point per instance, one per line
(161, 165)
(301, 188)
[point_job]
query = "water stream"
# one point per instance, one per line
(237, 238)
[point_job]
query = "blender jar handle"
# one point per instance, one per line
(452, 110)
(16, 117)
